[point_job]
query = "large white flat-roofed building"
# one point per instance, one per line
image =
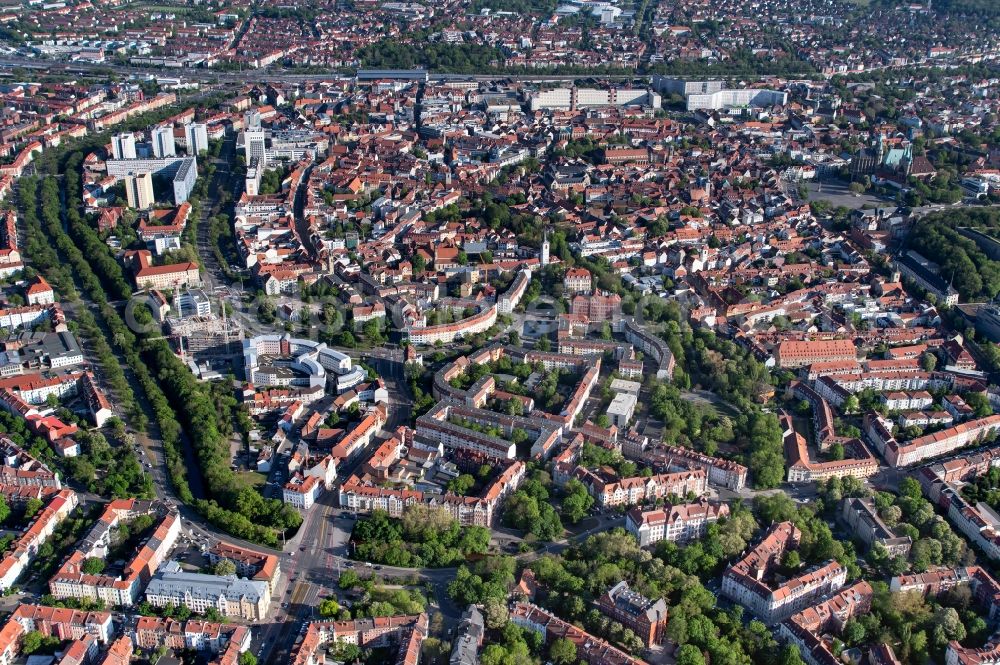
(182, 171)
(574, 98)
(274, 359)
(729, 98)
(392, 74)
(675, 86)
(626, 386)
(621, 409)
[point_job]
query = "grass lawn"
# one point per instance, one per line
(255, 478)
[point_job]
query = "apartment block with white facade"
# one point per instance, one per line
(680, 523)
(231, 596)
(746, 581)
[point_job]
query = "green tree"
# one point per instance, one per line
(92, 566)
(792, 560)
(790, 656)
(225, 567)
(36, 642)
(348, 580)
(495, 613)
(373, 332)
(31, 507)
(329, 607)
(854, 632)
(577, 501)
(346, 652)
(31, 642)
(689, 654)
(947, 626)
(910, 487)
(562, 651)
(979, 403)
(461, 484)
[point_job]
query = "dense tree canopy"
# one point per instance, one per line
(424, 536)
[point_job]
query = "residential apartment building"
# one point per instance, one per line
(165, 278)
(162, 139)
(807, 628)
(139, 191)
(907, 401)
(577, 280)
(653, 346)
(123, 146)
(197, 138)
(84, 631)
(979, 523)
(678, 523)
(20, 469)
(988, 654)
(70, 581)
(745, 581)
(358, 495)
(251, 564)
(468, 638)
(365, 633)
(232, 596)
(589, 649)
(65, 623)
(794, 353)
(938, 443)
(511, 298)
(860, 463)
(647, 618)
(597, 307)
(446, 333)
(443, 424)
(224, 641)
(24, 548)
(861, 516)
(613, 491)
(823, 422)
(721, 472)
(302, 491)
